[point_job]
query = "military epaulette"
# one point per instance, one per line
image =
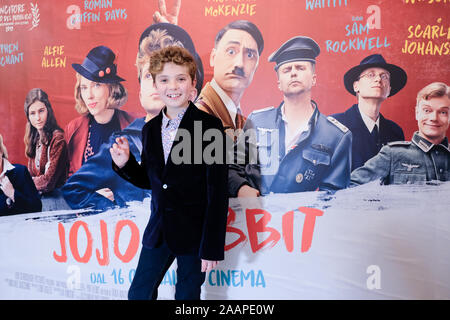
(398, 143)
(342, 127)
(264, 109)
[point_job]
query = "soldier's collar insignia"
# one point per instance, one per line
(342, 127)
(422, 143)
(445, 144)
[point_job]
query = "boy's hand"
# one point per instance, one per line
(120, 151)
(208, 265)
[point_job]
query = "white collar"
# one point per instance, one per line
(229, 104)
(178, 117)
(290, 140)
(368, 121)
(284, 118)
(6, 166)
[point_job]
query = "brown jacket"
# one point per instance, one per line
(53, 164)
(210, 102)
(76, 134)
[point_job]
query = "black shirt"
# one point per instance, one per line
(99, 133)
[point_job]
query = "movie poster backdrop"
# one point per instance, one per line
(371, 242)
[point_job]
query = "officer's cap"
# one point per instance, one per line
(299, 48)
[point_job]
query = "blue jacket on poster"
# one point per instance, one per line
(97, 173)
(320, 159)
(363, 146)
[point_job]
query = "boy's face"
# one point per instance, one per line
(174, 85)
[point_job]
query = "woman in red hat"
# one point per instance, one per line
(98, 95)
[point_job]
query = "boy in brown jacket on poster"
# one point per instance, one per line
(189, 197)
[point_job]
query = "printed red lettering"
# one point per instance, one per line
(73, 241)
(260, 226)
(104, 235)
(134, 241)
(103, 254)
(288, 230)
(230, 220)
(62, 241)
(308, 226)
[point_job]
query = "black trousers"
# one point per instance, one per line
(152, 266)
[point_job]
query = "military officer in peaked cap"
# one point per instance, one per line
(296, 148)
(426, 157)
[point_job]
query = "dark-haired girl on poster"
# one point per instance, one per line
(45, 148)
(98, 95)
(17, 191)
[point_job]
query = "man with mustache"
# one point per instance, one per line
(235, 57)
(298, 149)
(372, 82)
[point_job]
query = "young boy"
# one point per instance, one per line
(189, 197)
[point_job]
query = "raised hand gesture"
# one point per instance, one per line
(163, 16)
(120, 151)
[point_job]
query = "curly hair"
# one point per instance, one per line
(179, 56)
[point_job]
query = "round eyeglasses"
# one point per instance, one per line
(372, 75)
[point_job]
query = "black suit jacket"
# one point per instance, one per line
(189, 200)
(26, 196)
(363, 146)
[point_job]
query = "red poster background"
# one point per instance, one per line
(278, 22)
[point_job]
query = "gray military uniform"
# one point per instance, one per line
(320, 158)
(406, 162)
